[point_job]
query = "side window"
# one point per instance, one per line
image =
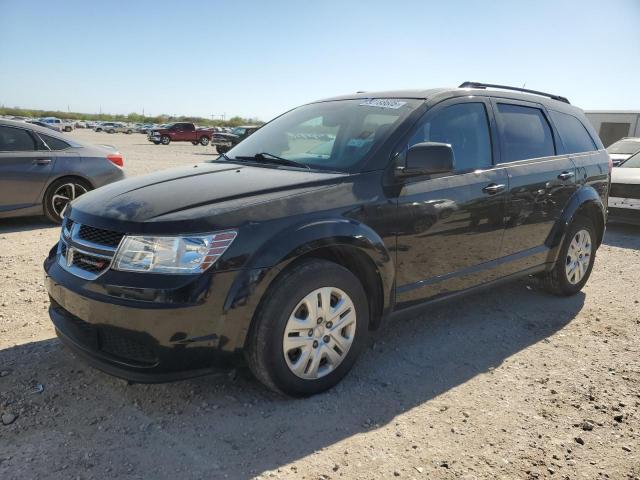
(465, 127)
(16, 140)
(574, 135)
(54, 143)
(525, 133)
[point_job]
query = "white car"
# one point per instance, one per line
(624, 197)
(55, 123)
(623, 149)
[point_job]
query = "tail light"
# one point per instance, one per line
(116, 159)
(610, 164)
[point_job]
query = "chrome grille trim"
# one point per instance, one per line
(70, 243)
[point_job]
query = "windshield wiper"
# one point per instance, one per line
(267, 157)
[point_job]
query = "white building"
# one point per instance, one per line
(612, 125)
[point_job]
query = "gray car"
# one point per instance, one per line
(41, 171)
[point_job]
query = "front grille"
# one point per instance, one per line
(99, 236)
(623, 190)
(121, 346)
(111, 340)
(89, 263)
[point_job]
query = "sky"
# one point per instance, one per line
(258, 58)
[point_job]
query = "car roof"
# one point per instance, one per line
(31, 126)
(439, 94)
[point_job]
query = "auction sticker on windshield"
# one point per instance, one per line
(383, 103)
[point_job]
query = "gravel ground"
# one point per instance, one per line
(512, 383)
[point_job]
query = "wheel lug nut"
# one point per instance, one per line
(319, 320)
(329, 324)
(310, 333)
(315, 344)
(326, 339)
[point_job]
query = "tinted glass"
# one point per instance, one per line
(625, 147)
(16, 140)
(574, 136)
(54, 143)
(466, 128)
(350, 130)
(525, 133)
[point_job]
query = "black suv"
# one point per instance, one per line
(313, 230)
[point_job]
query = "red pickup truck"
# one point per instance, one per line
(180, 132)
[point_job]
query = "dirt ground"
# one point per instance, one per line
(511, 383)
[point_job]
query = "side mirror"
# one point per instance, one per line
(428, 158)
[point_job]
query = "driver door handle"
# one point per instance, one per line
(493, 188)
(42, 161)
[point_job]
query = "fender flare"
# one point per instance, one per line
(584, 198)
(296, 241)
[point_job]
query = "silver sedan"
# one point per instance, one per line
(41, 171)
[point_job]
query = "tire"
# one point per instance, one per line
(564, 280)
(54, 207)
(165, 140)
(129, 132)
(273, 364)
(194, 142)
(222, 149)
(156, 143)
(204, 141)
(111, 131)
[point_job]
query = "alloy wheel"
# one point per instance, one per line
(319, 333)
(63, 195)
(578, 256)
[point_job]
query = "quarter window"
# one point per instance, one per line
(54, 143)
(574, 136)
(16, 140)
(525, 133)
(465, 127)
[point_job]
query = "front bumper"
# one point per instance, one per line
(624, 210)
(158, 328)
(153, 138)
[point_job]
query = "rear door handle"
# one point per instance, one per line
(493, 188)
(42, 161)
(566, 175)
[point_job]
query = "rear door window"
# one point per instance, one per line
(525, 133)
(574, 135)
(16, 140)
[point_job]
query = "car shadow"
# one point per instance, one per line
(25, 224)
(622, 235)
(229, 425)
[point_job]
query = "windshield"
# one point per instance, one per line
(627, 147)
(632, 162)
(238, 131)
(333, 135)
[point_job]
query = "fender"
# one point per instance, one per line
(584, 197)
(260, 271)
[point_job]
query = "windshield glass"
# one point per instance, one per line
(333, 135)
(238, 131)
(632, 162)
(624, 147)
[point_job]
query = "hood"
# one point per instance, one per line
(170, 194)
(625, 175)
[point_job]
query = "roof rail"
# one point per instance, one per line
(517, 89)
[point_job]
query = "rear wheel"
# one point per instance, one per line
(165, 139)
(309, 331)
(575, 261)
(204, 141)
(194, 142)
(60, 193)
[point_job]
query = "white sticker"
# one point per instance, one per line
(383, 103)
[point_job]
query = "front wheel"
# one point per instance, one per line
(309, 329)
(204, 141)
(60, 193)
(222, 149)
(575, 261)
(193, 142)
(165, 139)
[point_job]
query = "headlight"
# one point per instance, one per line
(182, 255)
